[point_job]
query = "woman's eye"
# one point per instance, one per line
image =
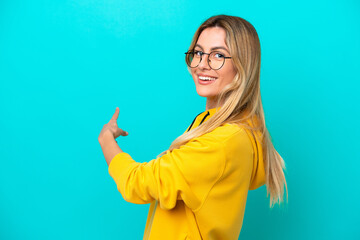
(219, 55)
(198, 53)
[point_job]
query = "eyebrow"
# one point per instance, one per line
(213, 48)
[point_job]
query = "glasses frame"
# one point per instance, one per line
(208, 59)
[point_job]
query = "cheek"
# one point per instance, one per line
(193, 74)
(228, 75)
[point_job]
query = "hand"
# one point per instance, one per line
(112, 128)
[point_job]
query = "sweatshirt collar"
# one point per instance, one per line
(202, 117)
(212, 111)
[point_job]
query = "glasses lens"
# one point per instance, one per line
(216, 60)
(194, 60)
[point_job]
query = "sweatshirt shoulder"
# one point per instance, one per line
(234, 137)
(227, 132)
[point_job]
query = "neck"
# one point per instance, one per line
(211, 103)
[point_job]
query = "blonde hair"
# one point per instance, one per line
(241, 100)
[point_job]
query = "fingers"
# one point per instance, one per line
(116, 114)
(122, 132)
(119, 131)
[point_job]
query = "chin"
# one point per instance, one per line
(206, 94)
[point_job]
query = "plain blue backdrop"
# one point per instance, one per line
(66, 65)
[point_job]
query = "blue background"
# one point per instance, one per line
(66, 65)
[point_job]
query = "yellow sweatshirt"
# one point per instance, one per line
(198, 191)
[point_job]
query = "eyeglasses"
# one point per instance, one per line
(215, 60)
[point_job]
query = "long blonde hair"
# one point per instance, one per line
(241, 99)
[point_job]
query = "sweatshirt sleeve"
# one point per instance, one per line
(187, 174)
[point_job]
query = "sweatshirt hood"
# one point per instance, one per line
(258, 176)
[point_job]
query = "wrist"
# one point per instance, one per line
(106, 137)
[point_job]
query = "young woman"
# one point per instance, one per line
(198, 187)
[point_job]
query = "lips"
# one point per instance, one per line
(206, 79)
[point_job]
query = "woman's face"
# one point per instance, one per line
(210, 82)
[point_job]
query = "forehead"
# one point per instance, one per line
(212, 37)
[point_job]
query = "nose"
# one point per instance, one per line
(204, 64)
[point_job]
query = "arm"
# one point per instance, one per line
(187, 173)
(109, 147)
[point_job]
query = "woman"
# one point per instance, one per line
(198, 188)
